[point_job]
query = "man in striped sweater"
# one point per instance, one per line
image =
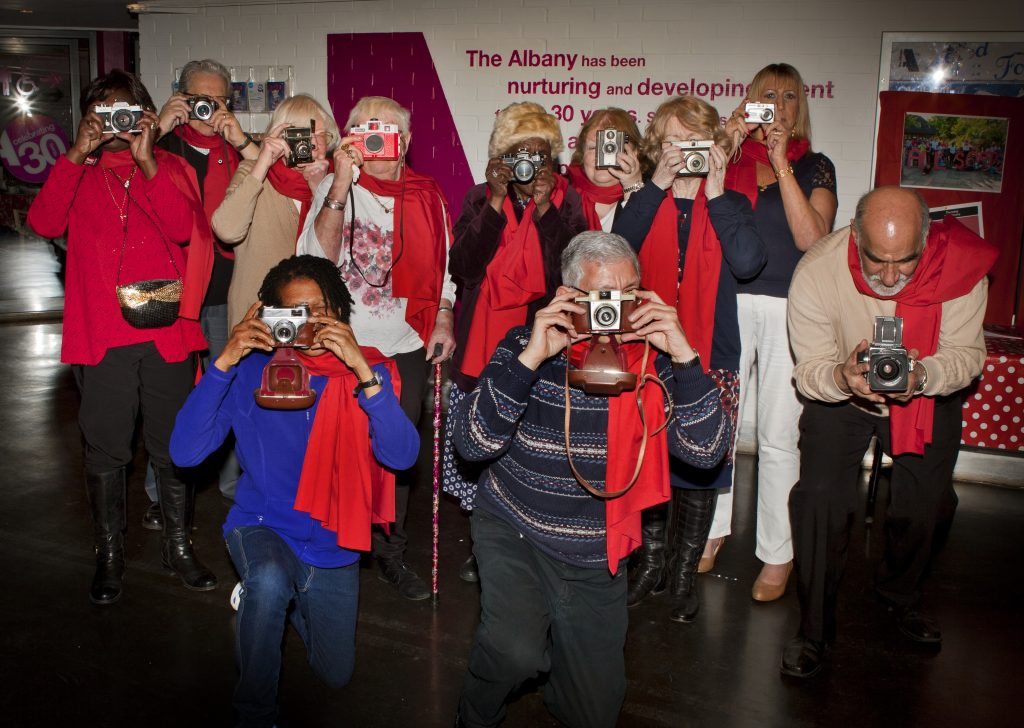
(551, 556)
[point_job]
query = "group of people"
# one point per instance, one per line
(966, 156)
(583, 502)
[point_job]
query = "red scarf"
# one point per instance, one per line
(290, 183)
(592, 194)
(342, 485)
(422, 227)
(625, 433)
(694, 297)
(515, 278)
(221, 163)
(741, 175)
(199, 251)
(953, 262)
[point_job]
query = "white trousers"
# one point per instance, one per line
(764, 339)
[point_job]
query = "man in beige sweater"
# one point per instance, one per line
(890, 262)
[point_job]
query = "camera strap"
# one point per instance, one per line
(644, 377)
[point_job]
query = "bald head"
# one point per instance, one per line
(890, 227)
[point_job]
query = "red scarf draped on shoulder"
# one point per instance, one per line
(741, 175)
(695, 295)
(342, 485)
(221, 163)
(625, 433)
(290, 183)
(953, 262)
(422, 229)
(592, 195)
(199, 251)
(514, 279)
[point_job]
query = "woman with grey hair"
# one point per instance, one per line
(388, 230)
(506, 256)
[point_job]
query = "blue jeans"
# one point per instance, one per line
(277, 588)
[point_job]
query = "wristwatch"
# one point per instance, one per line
(371, 382)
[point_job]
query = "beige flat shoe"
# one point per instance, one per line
(765, 591)
(707, 559)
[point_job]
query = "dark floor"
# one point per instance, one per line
(164, 655)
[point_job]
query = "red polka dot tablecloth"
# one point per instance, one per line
(994, 406)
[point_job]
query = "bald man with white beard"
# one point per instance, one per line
(889, 262)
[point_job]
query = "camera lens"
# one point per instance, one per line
(374, 143)
(202, 110)
(284, 332)
(767, 114)
(122, 120)
(606, 316)
(524, 171)
(694, 162)
(610, 148)
(888, 369)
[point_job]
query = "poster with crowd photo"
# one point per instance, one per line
(953, 152)
(933, 121)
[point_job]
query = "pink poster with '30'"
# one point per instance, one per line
(31, 145)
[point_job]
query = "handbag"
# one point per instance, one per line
(149, 304)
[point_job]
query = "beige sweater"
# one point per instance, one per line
(828, 318)
(262, 224)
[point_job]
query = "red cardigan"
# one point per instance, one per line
(76, 199)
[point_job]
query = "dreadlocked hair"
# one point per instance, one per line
(319, 270)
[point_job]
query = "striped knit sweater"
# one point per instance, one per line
(514, 419)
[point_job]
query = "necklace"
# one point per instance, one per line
(122, 208)
(387, 210)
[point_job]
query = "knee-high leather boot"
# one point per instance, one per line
(693, 510)
(649, 576)
(106, 492)
(177, 504)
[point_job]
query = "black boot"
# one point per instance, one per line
(109, 521)
(692, 512)
(176, 506)
(649, 576)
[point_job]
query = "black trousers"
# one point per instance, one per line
(833, 439)
(539, 615)
(412, 368)
(127, 378)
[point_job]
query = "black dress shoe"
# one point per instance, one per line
(152, 519)
(404, 579)
(803, 657)
(917, 626)
(468, 571)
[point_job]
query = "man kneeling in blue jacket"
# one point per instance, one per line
(294, 533)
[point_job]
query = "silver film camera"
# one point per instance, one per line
(696, 157)
(201, 107)
(524, 165)
(120, 117)
(755, 113)
(609, 143)
(887, 358)
(288, 326)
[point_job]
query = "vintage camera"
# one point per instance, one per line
(201, 107)
(300, 143)
(888, 360)
(609, 143)
(119, 117)
(696, 157)
(288, 326)
(759, 113)
(607, 313)
(524, 165)
(376, 140)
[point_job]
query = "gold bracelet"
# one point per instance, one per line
(784, 172)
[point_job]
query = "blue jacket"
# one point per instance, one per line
(271, 446)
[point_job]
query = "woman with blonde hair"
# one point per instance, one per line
(604, 189)
(793, 191)
(695, 241)
(267, 200)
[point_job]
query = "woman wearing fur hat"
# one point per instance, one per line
(506, 255)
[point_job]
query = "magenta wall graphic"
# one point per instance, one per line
(398, 65)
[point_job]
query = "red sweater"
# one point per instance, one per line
(75, 198)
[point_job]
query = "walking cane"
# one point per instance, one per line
(436, 502)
